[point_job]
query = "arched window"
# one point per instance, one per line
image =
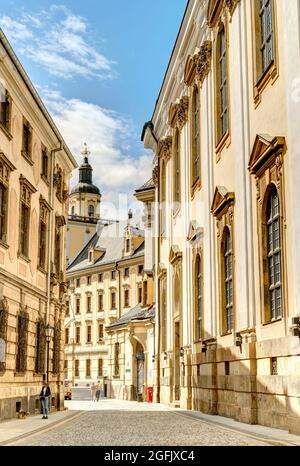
(91, 210)
(273, 251)
(195, 136)
(227, 281)
(222, 85)
(176, 167)
(198, 300)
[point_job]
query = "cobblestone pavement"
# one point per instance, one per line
(114, 423)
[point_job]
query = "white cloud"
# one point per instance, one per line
(108, 134)
(57, 40)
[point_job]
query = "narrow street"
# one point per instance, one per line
(121, 423)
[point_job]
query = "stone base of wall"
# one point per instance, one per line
(257, 383)
(9, 407)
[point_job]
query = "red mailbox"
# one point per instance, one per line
(150, 394)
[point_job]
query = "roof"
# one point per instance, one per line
(85, 188)
(148, 185)
(135, 314)
(10, 52)
(109, 238)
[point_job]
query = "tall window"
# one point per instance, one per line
(22, 335)
(89, 334)
(222, 84)
(128, 245)
(228, 281)
(43, 235)
(113, 300)
(3, 212)
(196, 136)
(176, 167)
(100, 367)
(100, 331)
(266, 33)
(113, 275)
(77, 334)
(77, 305)
(91, 211)
(45, 163)
(56, 348)
(198, 299)
(27, 137)
(67, 336)
(145, 293)
(88, 304)
(88, 368)
(140, 294)
(117, 353)
(100, 278)
(5, 108)
(126, 298)
(274, 255)
(24, 233)
(78, 282)
(100, 302)
(3, 331)
(77, 368)
(126, 272)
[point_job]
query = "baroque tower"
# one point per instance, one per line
(84, 208)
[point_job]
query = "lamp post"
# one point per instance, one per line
(49, 335)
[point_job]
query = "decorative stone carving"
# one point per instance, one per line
(231, 5)
(202, 61)
(155, 172)
(182, 112)
(165, 148)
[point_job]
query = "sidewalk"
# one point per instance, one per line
(268, 434)
(16, 429)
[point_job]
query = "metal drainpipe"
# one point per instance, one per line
(50, 229)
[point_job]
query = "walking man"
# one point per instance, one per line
(98, 391)
(44, 397)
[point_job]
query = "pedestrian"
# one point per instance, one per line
(44, 397)
(93, 392)
(98, 391)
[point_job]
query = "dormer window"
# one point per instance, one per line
(128, 245)
(90, 256)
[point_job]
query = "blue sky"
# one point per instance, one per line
(99, 66)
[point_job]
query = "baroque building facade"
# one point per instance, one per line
(226, 146)
(109, 324)
(35, 166)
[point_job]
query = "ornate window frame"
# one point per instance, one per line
(197, 68)
(163, 327)
(223, 210)
(6, 167)
(6, 127)
(267, 166)
(164, 155)
(195, 235)
(261, 79)
(26, 191)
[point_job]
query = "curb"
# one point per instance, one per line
(40, 429)
(260, 437)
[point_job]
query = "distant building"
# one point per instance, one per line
(110, 315)
(35, 166)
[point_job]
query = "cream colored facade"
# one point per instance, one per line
(223, 346)
(34, 186)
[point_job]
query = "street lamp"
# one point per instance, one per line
(49, 335)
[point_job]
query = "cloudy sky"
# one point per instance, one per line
(99, 66)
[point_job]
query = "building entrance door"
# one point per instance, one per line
(177, 361)
(140, 363)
